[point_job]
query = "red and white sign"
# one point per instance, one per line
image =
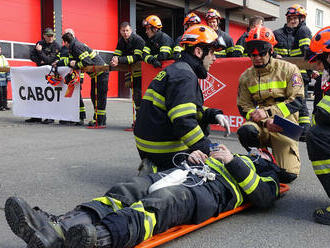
(210, 86)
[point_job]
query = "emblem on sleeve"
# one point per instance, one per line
(296, 80)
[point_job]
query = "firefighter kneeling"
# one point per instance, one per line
(132, 212)
(270, 87)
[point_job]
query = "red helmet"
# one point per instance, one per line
(153, 21)
(202, 34)
(72, 78)
(191, 19)
(296, 10)
(212, 13)
(261, 39)
(320, 42)
(53, 77)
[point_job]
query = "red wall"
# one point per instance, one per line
(236, 30)
(20, 20)
(96, 24)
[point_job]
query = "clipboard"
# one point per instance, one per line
(290, 129)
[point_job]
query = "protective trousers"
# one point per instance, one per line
(318, 140)
(3, 96)
(99, 97)
(133, 80)
(284, 149)
(137, 215)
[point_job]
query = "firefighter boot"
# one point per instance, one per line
(146, 167)
(88, 236)
(32, 226)
(322, 215)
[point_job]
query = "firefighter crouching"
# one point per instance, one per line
(172, 118)
(318, 138)
(270, 87)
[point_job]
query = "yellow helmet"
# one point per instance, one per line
(153, 21)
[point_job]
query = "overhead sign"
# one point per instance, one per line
(33, 96)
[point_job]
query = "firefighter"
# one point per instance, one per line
(318, 138)
(64, 60)
(159, 45)
(44, 53)
(172, 117)
(129, 51)
(213, 18)
(293, 41)
(239, 49)
(270, 87)
(80, 56)
(189, 20)
(4, 78)
(132, 212)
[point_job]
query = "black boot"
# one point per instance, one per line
(88, 236)
(31, 226)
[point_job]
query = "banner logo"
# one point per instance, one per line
(210, 86)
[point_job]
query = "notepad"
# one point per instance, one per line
(290, 129)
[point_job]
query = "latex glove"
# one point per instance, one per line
(156, 63)
(223, 154)
(223, 121)
(196, 157)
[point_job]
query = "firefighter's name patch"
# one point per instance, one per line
(296, 80)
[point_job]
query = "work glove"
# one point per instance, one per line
(223, 121)
(128, 83)
(156, 63)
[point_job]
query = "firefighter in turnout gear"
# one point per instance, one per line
(213, 18)
(132, 212)
(240, 47)
(293, 41)
(129, 51)
(172, 117)
(318, 138)
(159, 45)
(270, 87)
(189, 20)
(80, 56)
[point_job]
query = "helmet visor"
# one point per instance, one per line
(261, 47)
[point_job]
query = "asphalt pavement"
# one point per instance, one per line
(57, 167)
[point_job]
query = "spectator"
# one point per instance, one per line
(4, 78)
(129, 51)
(44, 53)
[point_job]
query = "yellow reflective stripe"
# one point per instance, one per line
(304, 119)
(239, 48)
(313, 120)
(281, 51)
(137, 74)
(247, 117)
(193, 136)
(160, 146)
(230, 49)
(138, 51)
(303, 71)
(177, 49)
(149, 219)
(221, 53)
(295, 52)
(82, 109)
(130, 59)
(284, 109)
(80, 64)
(250, 183)
(83, 55)
(325, 103)
(267, 86)
(118, 52)
(305, 41)
(165, 49)
(199, 115)
(156, 98)
(247, 161)
(221, 169)
(146, 58)
(92, 54)
(100, 112)
(182, 110)
(109, 201)
(321, 167)
(146, 50)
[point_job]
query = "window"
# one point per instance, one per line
(319, 18)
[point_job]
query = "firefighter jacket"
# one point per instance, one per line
(277, 88)
(85, 56)
(47, 55)
(4, 76)
(322, 109)
(292, 42)
(158, 47)
(239, 49)
(177, 48)
(228, 52)
(129, 51)
(172, 117)
(64, 59)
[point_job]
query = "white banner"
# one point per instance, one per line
(33, 96)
